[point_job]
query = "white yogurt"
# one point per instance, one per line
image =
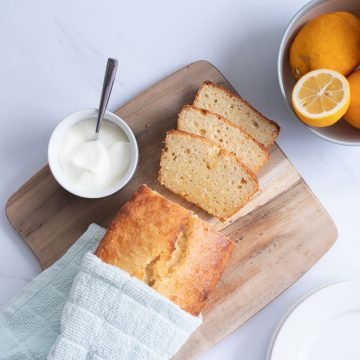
(94, 165)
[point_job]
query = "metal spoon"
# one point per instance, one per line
(109, 78)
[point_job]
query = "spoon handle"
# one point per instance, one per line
(109, 78)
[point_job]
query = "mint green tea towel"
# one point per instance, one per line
(81, 308)
(30, 322)
(110, 315)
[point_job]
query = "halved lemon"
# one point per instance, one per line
(321, 97)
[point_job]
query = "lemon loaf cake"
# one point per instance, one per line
(223, 102)
(205, 174)
(167, 247)
(218, 129)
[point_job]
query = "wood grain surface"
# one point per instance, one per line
(279, 235)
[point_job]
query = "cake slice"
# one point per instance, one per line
(223, 102)
(218, 129)
(205, 174)
(167, 247)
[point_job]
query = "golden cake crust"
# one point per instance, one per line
(166, 246)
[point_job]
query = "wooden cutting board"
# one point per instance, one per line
(279, 235)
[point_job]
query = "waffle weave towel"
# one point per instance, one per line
(30, 322)
(111, 315)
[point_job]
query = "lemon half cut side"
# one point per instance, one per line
(321, 97)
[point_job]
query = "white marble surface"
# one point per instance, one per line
(52, 62)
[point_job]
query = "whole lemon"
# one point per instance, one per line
(351, 19)
(352, 115)
(330, 41)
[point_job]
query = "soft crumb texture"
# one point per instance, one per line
(218, 129)
(203, 173)
(223, 102)
(167, 247)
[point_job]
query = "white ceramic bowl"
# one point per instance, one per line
(55, 144)
(341, 132)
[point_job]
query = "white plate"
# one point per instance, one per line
(325, 325)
